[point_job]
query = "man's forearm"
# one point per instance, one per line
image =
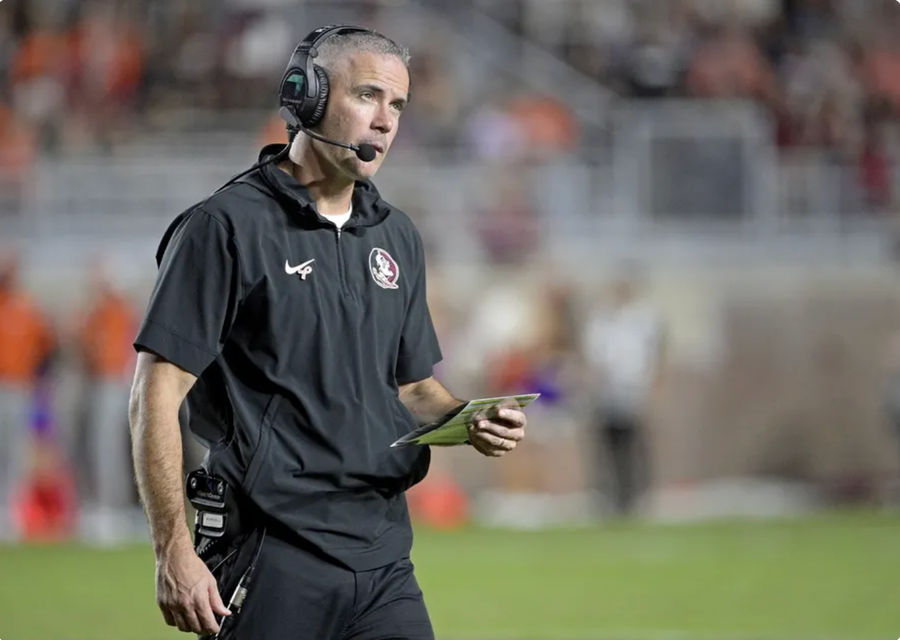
(428, 400)
(156, 447)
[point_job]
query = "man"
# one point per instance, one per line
(892, 386)
(623, 349)
(302, 359)
(104, 339)
(27, 344)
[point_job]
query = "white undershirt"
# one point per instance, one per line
(340, 219)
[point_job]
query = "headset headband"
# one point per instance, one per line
(304, 85)
(308, 51)
(301, 69)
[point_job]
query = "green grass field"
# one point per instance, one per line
(830, 577)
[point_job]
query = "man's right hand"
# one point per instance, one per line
(186, 592)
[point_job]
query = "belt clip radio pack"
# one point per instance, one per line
(207, 493)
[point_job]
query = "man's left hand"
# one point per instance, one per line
(498, 431)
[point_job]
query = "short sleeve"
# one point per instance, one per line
(196, 293)
(419, 349)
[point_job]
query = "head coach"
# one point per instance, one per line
(289, 311)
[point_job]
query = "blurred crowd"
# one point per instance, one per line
(826, 71)
(646, 387)
(88, 72)
(54, 461)
(82, 76)
(65, 375)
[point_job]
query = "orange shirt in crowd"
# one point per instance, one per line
(881, 72)
(17, 145)
(25, 338)
(106, 337)
(39, 54)
(549, 123)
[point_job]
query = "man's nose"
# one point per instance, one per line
(383, 121)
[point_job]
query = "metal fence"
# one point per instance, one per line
(684, 180)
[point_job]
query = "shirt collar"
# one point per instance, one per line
(368, 207)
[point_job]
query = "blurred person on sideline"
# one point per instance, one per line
(39, 66)
(892, 386)
(880, 63)
(107, 44)
(26, 346)
(104, 338)
(290, 310)
(623, 344)
(17, 155)
(508, 228)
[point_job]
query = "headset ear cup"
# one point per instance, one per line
(319, 110)
(293, 92)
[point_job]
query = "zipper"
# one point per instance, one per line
(340, 260)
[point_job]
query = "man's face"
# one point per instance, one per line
(368, 91)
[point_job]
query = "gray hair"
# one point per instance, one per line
(369, 41)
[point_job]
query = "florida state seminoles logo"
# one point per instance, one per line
(384, 269)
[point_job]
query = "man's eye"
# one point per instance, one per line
(367, 95)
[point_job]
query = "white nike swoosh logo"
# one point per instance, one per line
(302, 269)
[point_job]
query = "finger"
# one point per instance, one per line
(494, 435)
(218, 606)
(478, 443)
(500, 430)
(167, 614)
(180, 622)
(513, 417)
(205, 615)
(516, 435)
(190, 619)
(494, 443)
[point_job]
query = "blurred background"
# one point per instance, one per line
(676, 219)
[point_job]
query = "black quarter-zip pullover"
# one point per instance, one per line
(299, 334)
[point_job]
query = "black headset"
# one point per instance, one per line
(304, 86)
(303, 95)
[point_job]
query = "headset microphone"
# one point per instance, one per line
(364, 152)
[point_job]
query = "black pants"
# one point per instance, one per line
(296, 594)
(623, 447)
